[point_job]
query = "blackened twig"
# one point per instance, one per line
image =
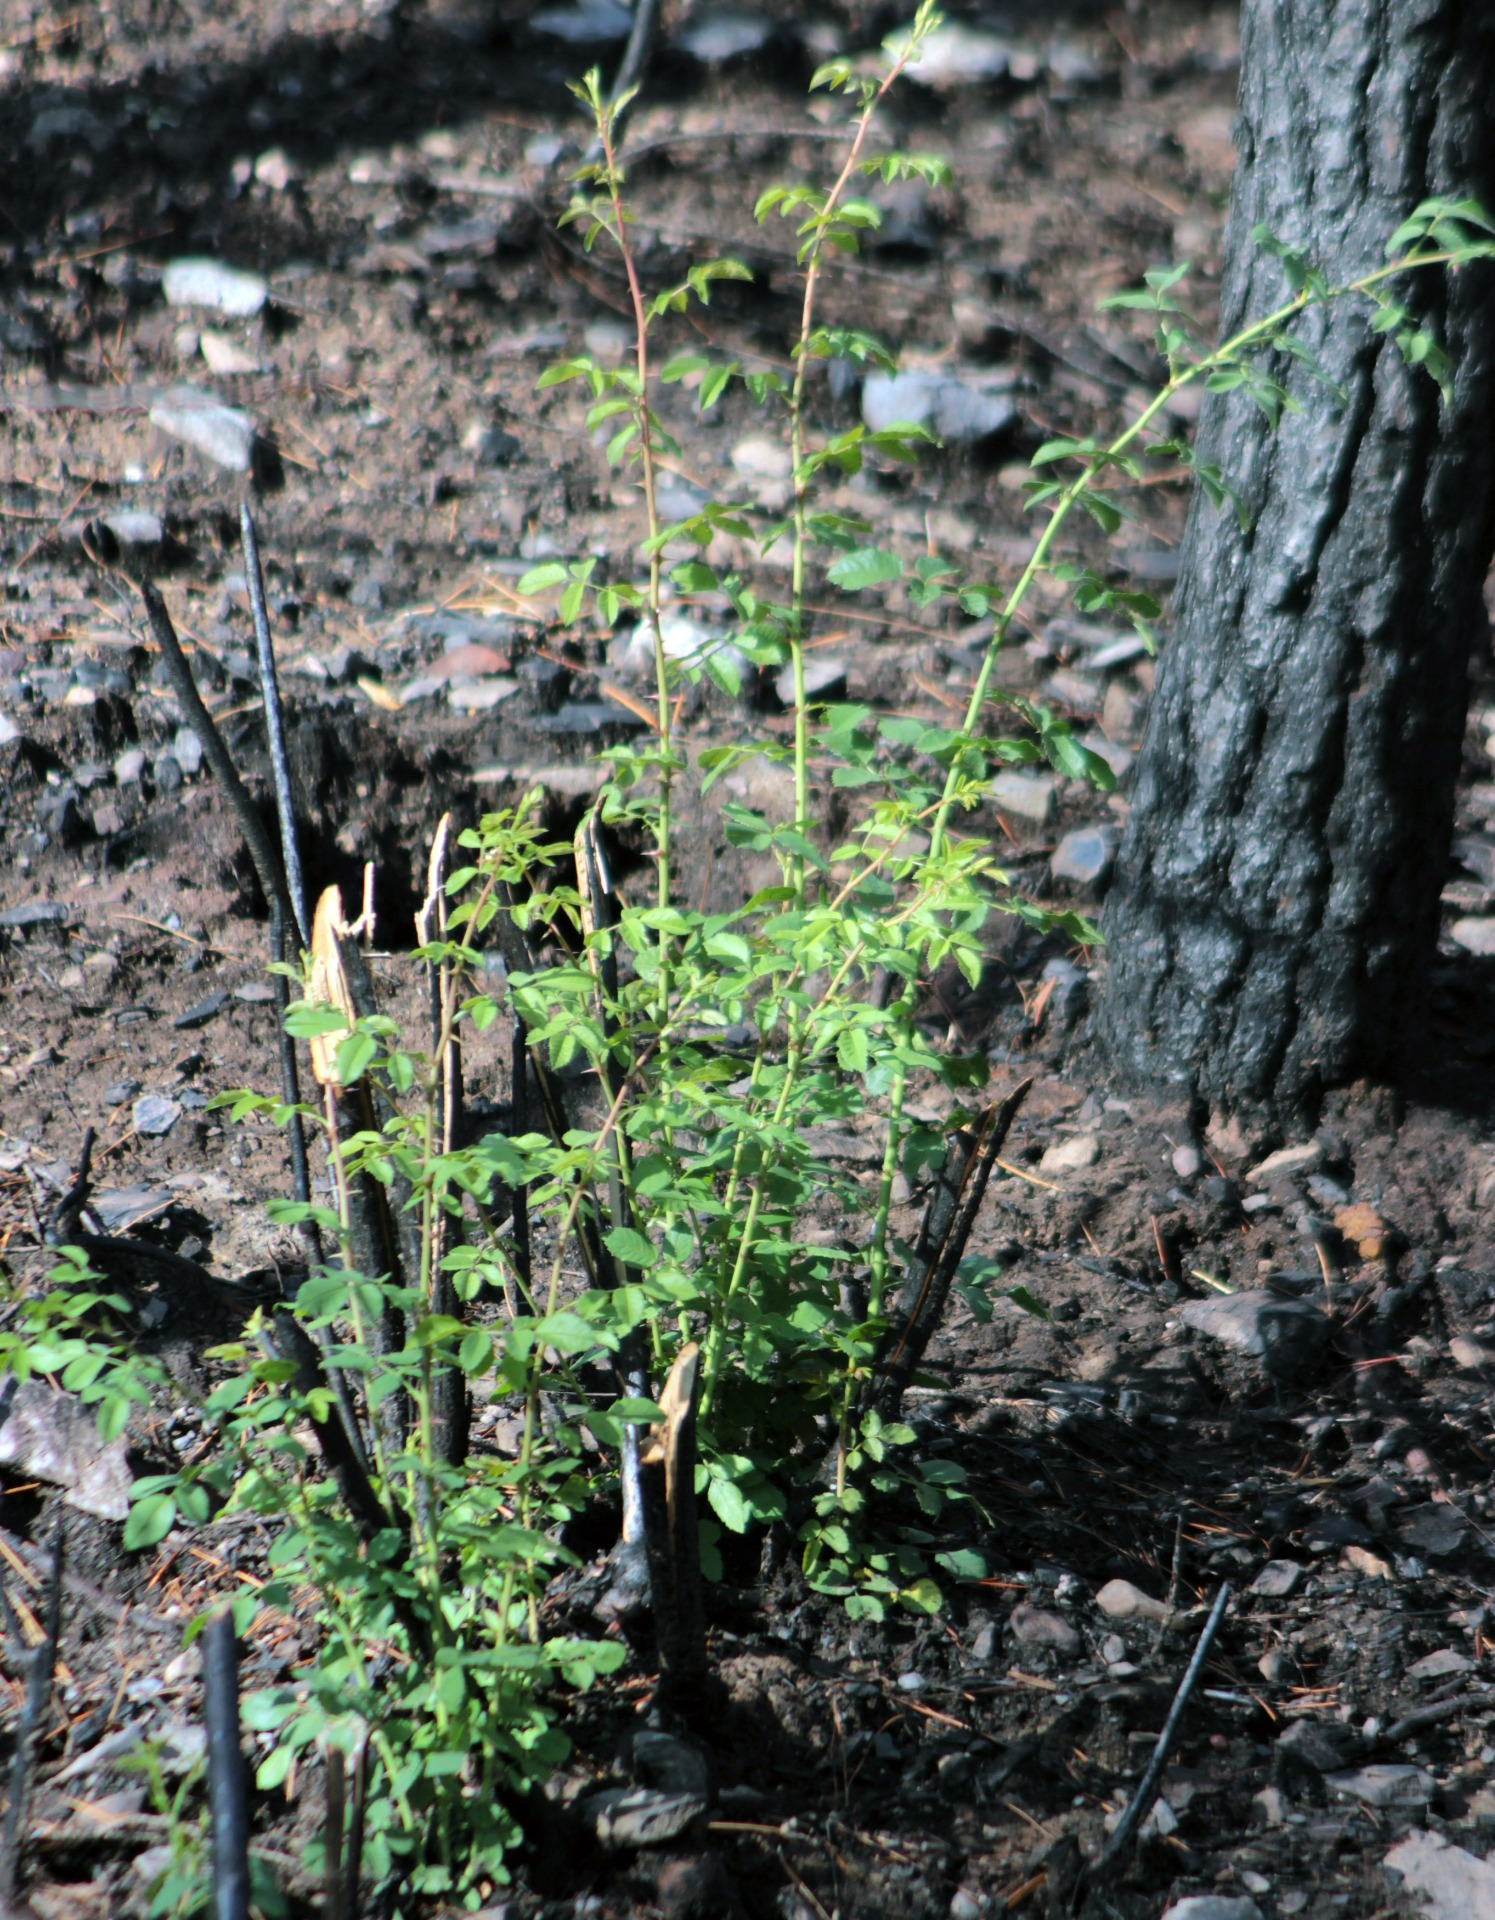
(280, 764)
(952, 1214)
(332, 1847)
(38, 1694)
(67, 1214)
(228, 1790)
(262, 852)
(640, 46)
(357, 1801)
(292, 1342)
(1140, 1804)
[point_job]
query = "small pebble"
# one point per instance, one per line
(1120, 1600)
(155, 1114)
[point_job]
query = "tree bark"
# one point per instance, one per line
(1275, 913)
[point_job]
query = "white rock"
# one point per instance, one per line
(1120, 1600)
(224, 355)
(1474, 935)
(1302, 1159)
(1214, 1906)
(205, 283)
(760, 458)
(957, 56)
(1446, 1882)
(273, 169)
(1187, 1161)
(1070, 1156)
(135, 528)
(224, 434)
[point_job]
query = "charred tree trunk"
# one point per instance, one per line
(1275, 913)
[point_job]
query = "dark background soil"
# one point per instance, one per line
(407, 473)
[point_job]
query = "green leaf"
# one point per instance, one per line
(550, 573)
(150, 1520)
(728, 1503)
(353, 1057)
(631, 1247)
(866, 567)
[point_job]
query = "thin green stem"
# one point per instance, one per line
(605, 123)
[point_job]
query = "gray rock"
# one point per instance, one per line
(671, 1765)
(368, 593)
(224, 434)
(1286, 1337)
(206, 1009)
(1445, 1882)
(1214, 1906)
(639, 1817)
(544, 150)
(1072, 66)
(467, 695)
(1440, 1665)
(1071, 993)
(116, 1096)
(1086, 854)
(717, 36)
(69, 123)
(1029, 795)
(911, 1682)
(50, 1435)
(34, 913)
(1187, 1162)
(590, 716)
(1277, 1579)
(155, 1114)
(167, 773)
(207, 283)
(9, 731)
(491, 446)
(1038, 1627)
(961, 408)
(594, 23)
(1323, 1745)
(1385, 1785)
(186, 750)
(1436, 1528)
(985, 1643)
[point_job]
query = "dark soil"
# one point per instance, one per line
(965, 1764)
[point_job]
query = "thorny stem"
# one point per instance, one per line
(1250, 336)
(605, 126)
(801, 478)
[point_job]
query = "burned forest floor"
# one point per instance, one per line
(1261, 1359)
